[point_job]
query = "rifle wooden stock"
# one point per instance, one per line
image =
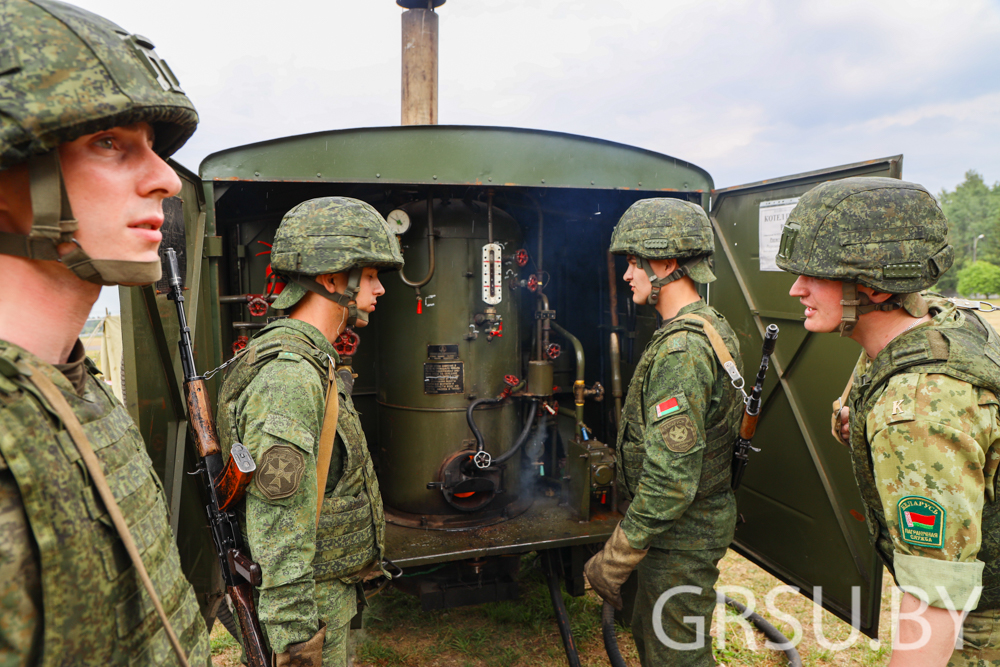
(206, 440)
(253, 641)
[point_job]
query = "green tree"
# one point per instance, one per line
(979, 278)
(972, 208)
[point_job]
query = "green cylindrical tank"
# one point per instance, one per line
(433, 363)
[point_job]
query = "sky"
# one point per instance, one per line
(748, 90)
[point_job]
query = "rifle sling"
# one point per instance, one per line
(326, 438)
(76, 433)
(721, 351)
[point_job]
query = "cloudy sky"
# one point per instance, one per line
(746, 89)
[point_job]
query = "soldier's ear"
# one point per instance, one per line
(876, 297)
(15, 200)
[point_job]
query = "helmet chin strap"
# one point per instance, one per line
(53, 224)
(345, 298)
(856, 303)
(655, 281)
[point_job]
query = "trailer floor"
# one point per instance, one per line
(544, 525)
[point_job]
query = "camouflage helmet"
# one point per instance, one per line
(107, 78)
(884, 233)
(331, 235)
(666, 228)
(66, 73)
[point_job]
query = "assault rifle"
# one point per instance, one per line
(748, 426)
(225, 484)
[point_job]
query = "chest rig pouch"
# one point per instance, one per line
(962, 347)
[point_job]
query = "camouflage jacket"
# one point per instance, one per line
(675, 442)
(925, 455)
(68, 592)
(273, 401)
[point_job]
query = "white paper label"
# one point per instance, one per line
(772, 218)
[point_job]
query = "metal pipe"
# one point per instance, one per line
(489, 215)
(578, 385)
(430, 250)
(420, 67)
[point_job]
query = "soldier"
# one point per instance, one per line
(283, 400)
(923, 431)
(88, 113)
(675, 442)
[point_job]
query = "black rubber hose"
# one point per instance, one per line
(562, 617)
(768, 630)
(521, 439)
(480, 445)
(610, 640)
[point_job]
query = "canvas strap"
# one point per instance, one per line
(326, 438)
(721, 351)
(55, 399)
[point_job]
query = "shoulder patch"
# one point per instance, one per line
(921, 522)
(900, 398)
(676, 342)
(679, 433)
(280, 472)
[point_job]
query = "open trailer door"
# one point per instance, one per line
(801, 515)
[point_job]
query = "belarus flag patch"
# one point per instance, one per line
(667, 407)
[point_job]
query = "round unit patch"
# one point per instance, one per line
(679, 433)
(280, 471)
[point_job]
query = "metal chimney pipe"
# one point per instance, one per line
(420, 62)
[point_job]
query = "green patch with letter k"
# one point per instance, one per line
(921, 522)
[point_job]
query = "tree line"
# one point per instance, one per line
(973, 212)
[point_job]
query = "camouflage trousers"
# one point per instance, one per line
(683, 610)
(981, 640)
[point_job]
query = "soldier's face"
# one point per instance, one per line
(822, 301)
(116, 186)
(369, 289)
(638, 280)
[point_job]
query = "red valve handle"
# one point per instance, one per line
(347, 343)
(553, 350)
(510, 380)
(521, 257)
(257, 305)
(240, 343)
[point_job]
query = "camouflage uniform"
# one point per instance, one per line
(274, 402)
(279, 416)
(926, 457)
(68, 591)
(675, 447)
(677, 469)
(924, 429)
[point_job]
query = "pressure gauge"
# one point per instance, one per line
(398, 221)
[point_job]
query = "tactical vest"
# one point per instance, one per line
(962, 347)
(96, 611)
(716, 471)
(350, 536)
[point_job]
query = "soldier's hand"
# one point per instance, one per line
(304, 654)
(840, 423)
(610, 568)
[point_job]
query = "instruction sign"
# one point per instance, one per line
(773, 215)
(444, 377)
